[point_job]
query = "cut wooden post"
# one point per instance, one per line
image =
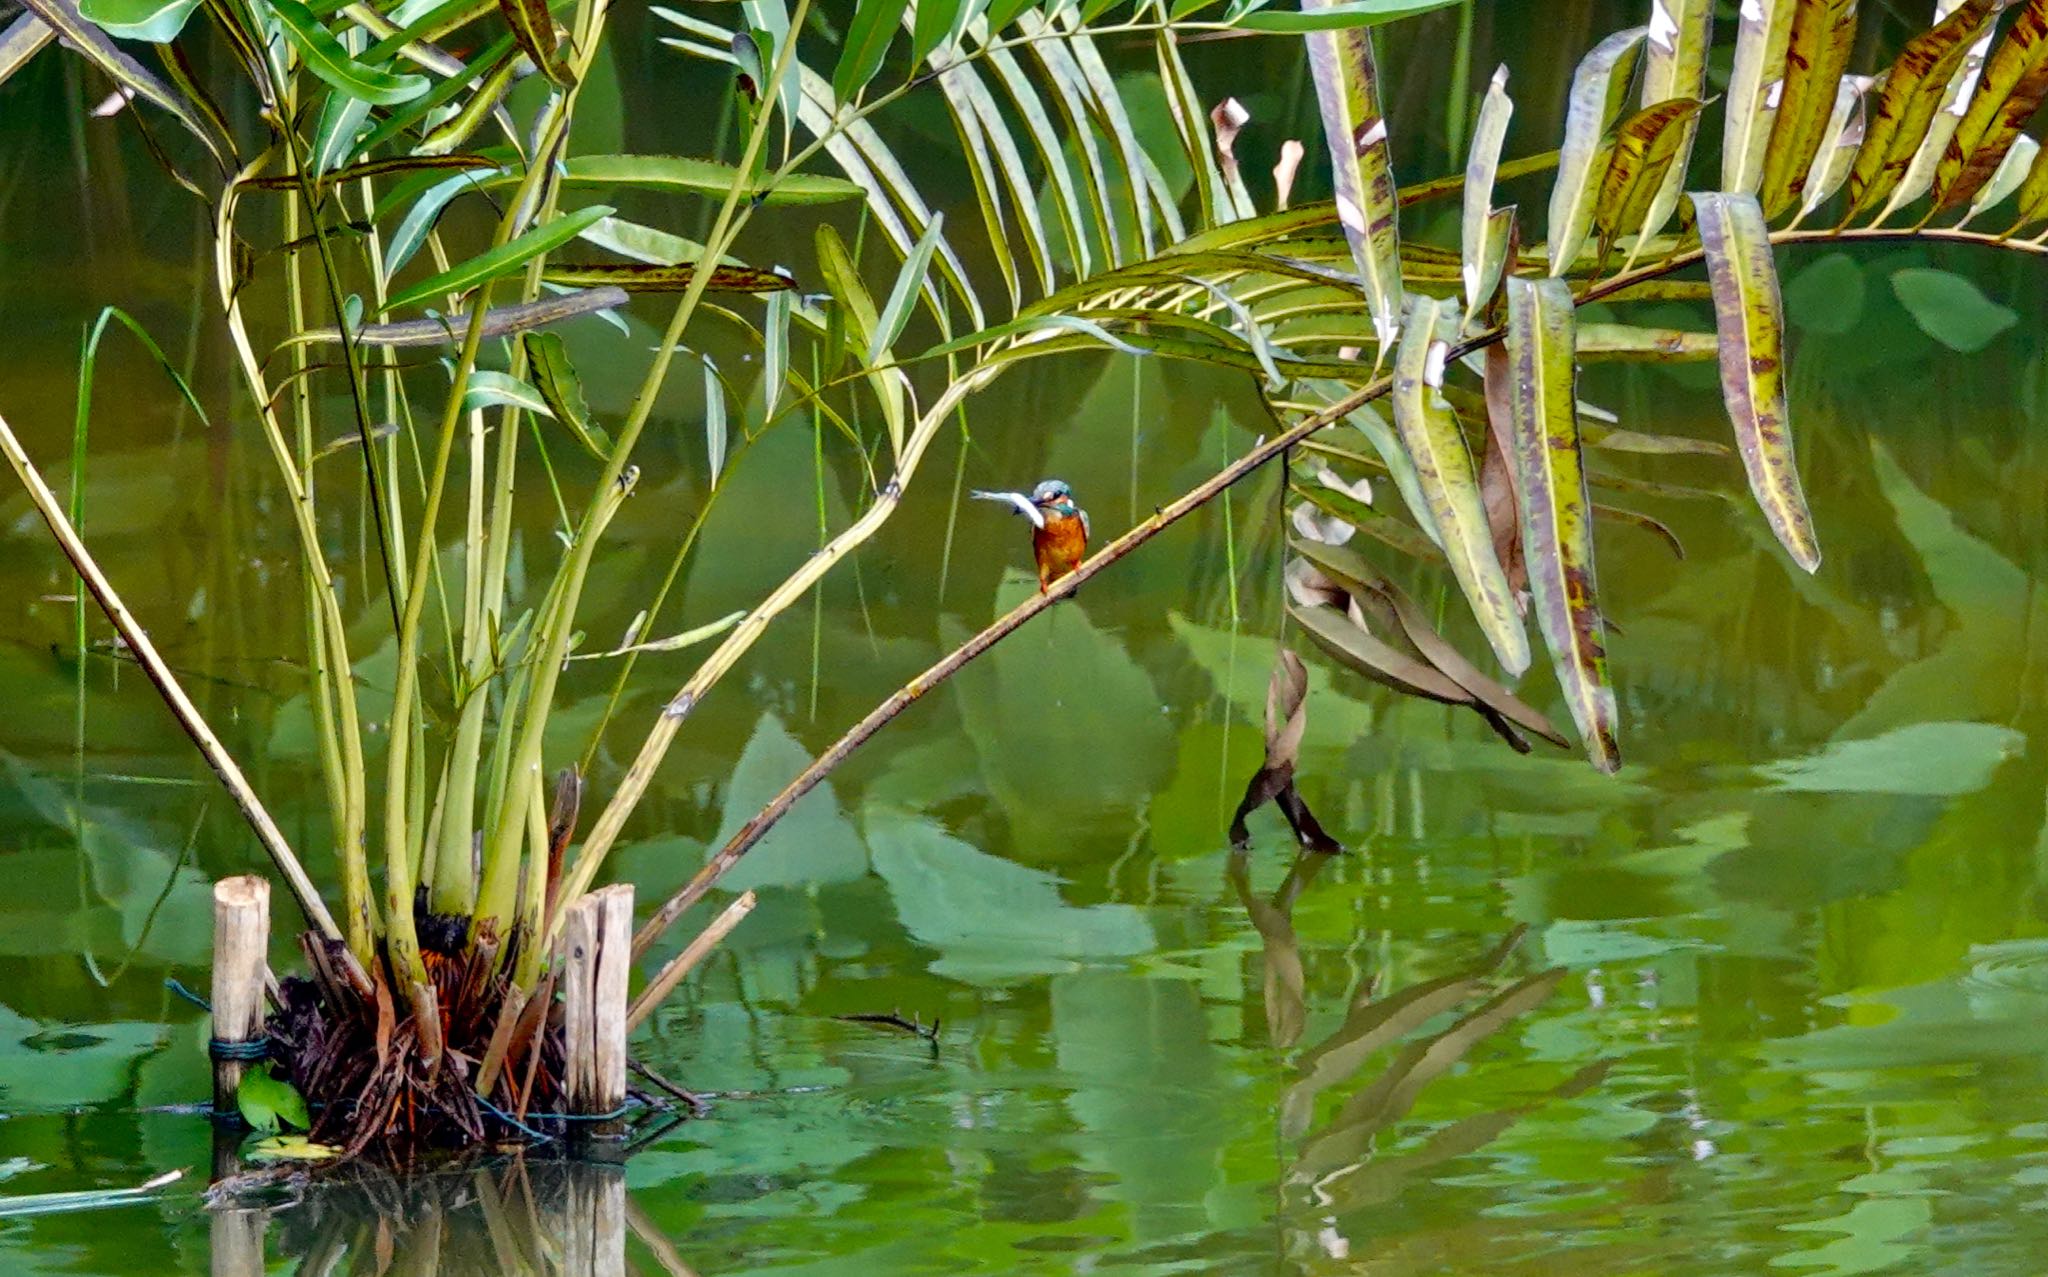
(241, 941)
(597, 952)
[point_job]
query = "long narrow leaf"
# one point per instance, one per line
(1913, 91)
(1675, 66)
(1761, 39)
(1840, 141)
(895, 312)
(1645, 149)
(2013, 85)
(1823, 34)
(1751, 317)
(1482, 267)
(556, 380)
(642, 278)
(2012, 173)
(1052, 153)
(702, 177)
(868, 35)
(1191, 122)
(534, 27)
(1579, 169)
(1533, 374)
(1443, 465)
(501, 260)
(325, 57)
(1347, 89)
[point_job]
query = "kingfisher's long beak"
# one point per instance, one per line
(1017, 501)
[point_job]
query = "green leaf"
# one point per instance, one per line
(157, 21)
(1675, 66)
(1533, 379)
(1580, 164)
(1344, 15)
(703, 177)
(874, 25)
(714, 421)
(1951, 309)
(547, 359)
(1822, 36)
(1355, 130)
(1645, 148)
(1485, 253)
(896, 311)
(1840, 141)
(501, 260)
(2010, 91)
(1762, 35)
(932, 26)
(1383, 663)
(490, 389)
(1750, 314)
(1443, 464)
(1913, 91)
(325, 58)
(267, 1101)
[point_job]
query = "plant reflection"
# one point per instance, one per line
(518, 1217)
(1335, 1168)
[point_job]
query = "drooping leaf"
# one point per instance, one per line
(454, 133)
(703, 177)
(157, 21)
(1533, 373)
(1823, 34)
(2011, 174)
(1675, 66)
(995, 165)
(1443, 465)
(1191, 123)
(1347, 89)
(1379, 661)
(63, 17)
(1482, 263)
(2033, 192)
(325, 57)
(1579, 168)
(1627, 342)
(714, 421)
(1913, 91)
(1052, 144)
(642, 278)
(420, 219)
(547, 360)
(1951, 309)
(874, 25)
(534, 27)
(1750, 314)
(1840, 140)
(1762, 36)
(855, 306)
(503, 259)
(2010, 91)
(334, 136)
(1645, 148)
(1350, 570)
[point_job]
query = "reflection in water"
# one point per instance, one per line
(520, 1217)
(1335, 1167)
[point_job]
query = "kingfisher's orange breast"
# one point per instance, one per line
(1059, 547)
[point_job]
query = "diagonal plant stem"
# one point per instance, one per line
(751, 833)
(188, 716)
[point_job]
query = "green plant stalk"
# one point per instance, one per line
(496, 898)
(324, 623)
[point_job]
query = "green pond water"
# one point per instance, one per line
(1771, 999)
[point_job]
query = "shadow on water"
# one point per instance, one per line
(520, 1217)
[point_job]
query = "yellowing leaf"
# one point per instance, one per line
(1347, 89)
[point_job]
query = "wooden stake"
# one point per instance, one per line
(597, 952)
(241, 939)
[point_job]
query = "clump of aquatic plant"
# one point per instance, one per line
(364, 329)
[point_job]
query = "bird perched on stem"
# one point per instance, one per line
(1059, 538)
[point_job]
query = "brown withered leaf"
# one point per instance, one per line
(1286, 720)
(668, 279)
(1497, 484)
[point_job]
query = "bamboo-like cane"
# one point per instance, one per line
(167, 686)
(679, 966)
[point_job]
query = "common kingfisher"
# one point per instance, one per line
(1059, 538)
